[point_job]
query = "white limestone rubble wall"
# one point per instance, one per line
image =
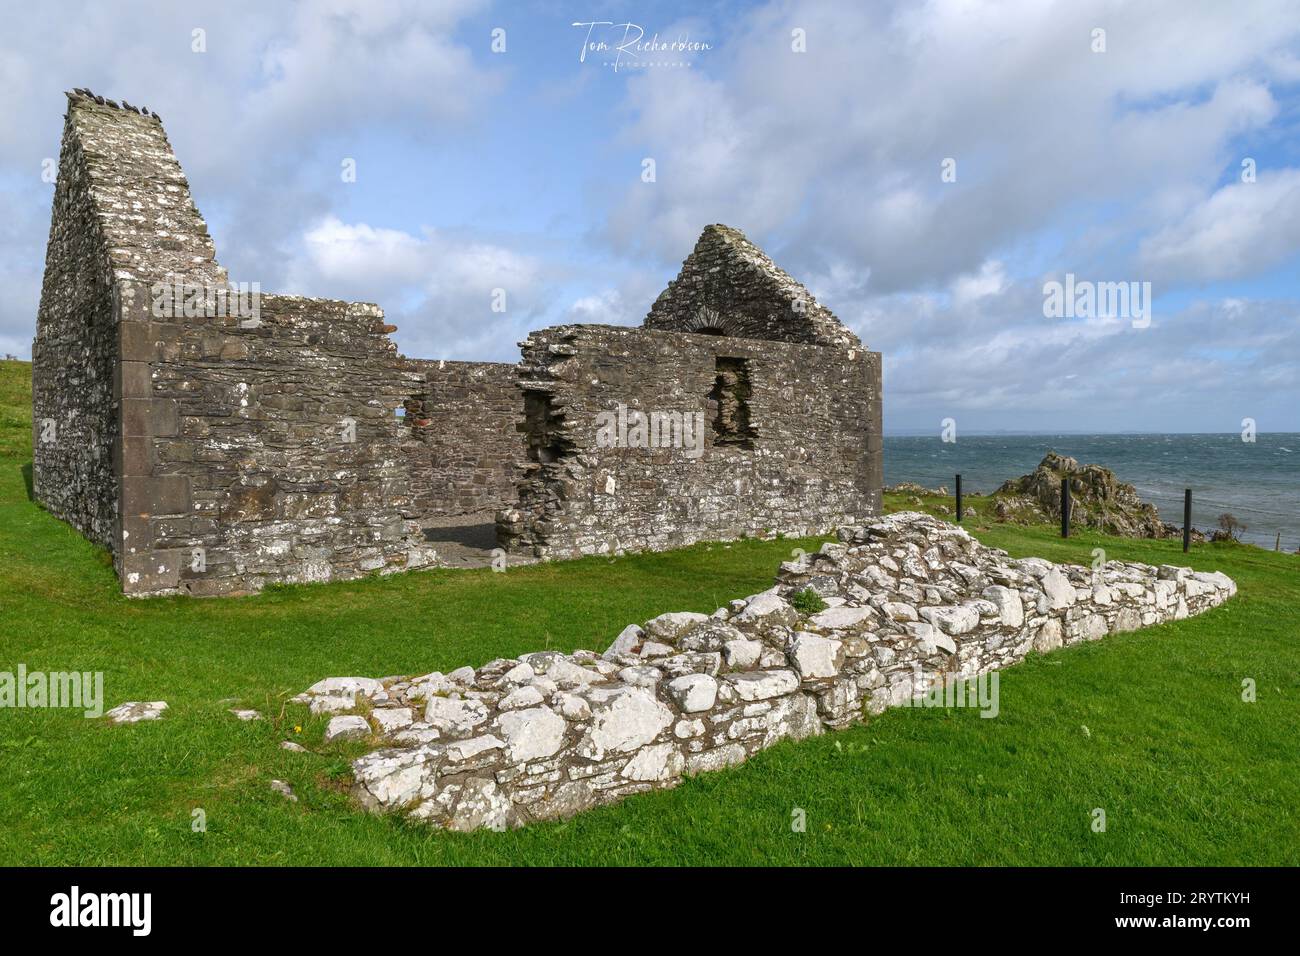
(910, 600)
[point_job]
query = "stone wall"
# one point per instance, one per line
(206, 451)
(468, 447)
(121, 209)
(264, 449)
(74, 357)
(791, 440)
(913, 606)
(729, 286)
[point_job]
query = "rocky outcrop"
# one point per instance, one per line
(908, 603)
(1097, 500)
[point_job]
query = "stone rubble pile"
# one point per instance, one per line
(907, 600)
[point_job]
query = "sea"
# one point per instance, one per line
(1257, 481)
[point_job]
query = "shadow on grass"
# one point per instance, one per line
(27, 480)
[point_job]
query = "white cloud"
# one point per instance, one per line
(1000, 363)
(438, 287)
(340, 62)
(840, 148)
(1240, 230)
(605, 308)
(990, 280)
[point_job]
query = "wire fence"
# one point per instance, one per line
(1232, 508)
(1192, 504)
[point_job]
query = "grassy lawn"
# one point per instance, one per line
(1186, 772)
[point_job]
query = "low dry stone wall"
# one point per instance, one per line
(909, 600)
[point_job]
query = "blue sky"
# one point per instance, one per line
(522, 170)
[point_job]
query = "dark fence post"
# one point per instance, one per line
(1065, 507)
(1187, 519)
(959, 499)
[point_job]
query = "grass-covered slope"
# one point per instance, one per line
(1185, 770)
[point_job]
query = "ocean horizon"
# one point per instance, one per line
(1258, 482)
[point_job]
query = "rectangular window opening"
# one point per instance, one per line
(730, 401)
(542, 429)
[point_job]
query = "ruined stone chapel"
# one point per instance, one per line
(214, 451)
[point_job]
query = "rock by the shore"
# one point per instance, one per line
(1098, 499)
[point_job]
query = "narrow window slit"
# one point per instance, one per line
(730, 399)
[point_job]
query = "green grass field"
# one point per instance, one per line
(1186, 772)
